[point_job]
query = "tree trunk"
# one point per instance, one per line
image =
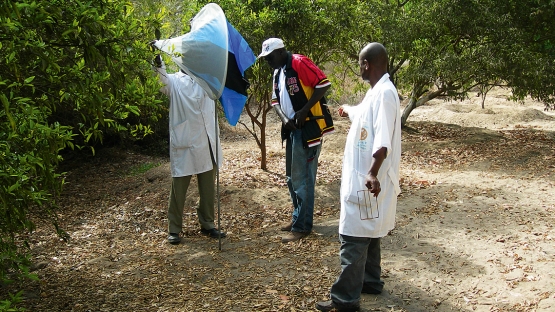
(414, 95)
(408, 109)
(417, 99)
(258, 118)
(262, 146)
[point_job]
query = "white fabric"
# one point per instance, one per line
(376, 123)
(192, 125)
(203, 52)
(284, 99)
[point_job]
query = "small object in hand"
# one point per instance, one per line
(367, 205)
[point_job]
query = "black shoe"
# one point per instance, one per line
(329, 305)
(213, 233)
(370, 290)
(174, 239)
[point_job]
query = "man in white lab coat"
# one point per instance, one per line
(370, 163)
(193, 146)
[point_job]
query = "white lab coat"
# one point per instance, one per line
(192, 125)
(376, 123)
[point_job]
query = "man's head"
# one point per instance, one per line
(273, 51)
(372, 60)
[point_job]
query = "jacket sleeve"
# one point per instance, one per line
(164, 78)
(308, 72)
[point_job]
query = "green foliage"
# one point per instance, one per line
(8, 305)
(29, 149)
(72, 73)
(88, 62)
(446, 48)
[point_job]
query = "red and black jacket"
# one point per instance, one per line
(302, 76)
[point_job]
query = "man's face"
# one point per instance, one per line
(273, 59)
(364, 68)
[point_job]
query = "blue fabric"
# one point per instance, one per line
(204, 50)
(216, 56)
(233, 104)
(232, 101)
(211, 32)
(238, 46)
(360, 266)
(301, 165)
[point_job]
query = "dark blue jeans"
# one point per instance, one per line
(360, 266)
(301, 165)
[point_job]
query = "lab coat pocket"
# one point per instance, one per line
(361, 196)
(181, 135)
(358, 183)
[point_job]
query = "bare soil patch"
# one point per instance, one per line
(474, 225)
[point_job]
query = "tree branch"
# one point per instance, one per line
(397, 67)
(401, 4)
(429, 96)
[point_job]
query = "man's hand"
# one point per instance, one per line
(300, 117)
(290, 125)
(158, 61)
(342, 111)
(373, 184)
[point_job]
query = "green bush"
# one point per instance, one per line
(72, 73)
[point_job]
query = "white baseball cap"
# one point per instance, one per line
(270, 45)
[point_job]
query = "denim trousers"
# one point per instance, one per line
(360, 266)
(301, 165)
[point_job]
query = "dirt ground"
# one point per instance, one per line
(474, 225)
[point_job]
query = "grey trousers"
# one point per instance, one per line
(360, 266)
(205, 210)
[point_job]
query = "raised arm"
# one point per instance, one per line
(160, 69)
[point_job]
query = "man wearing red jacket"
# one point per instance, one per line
(298, 99)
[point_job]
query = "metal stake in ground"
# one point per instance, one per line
(218, 177)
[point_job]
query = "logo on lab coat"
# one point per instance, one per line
(363, 134)
(362, 143)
